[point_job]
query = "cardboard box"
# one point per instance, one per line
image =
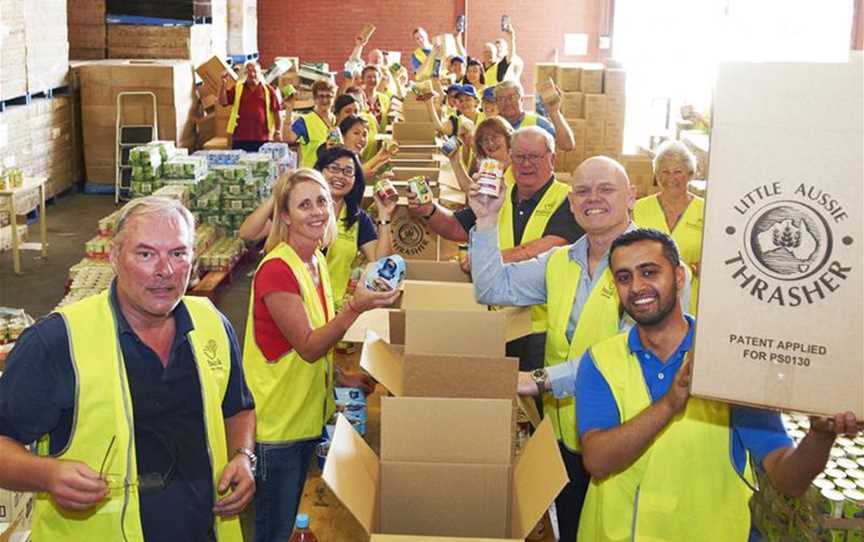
(13, 504)
(426, 476)
(242, 27)
(414, 133)
(47, 45)
(782, 239)
(616, 107)
(572, 105)
(594, 106)
(211, 73)
(543, 71)
(145, 41)
(592, 78)
(614, 81)
(570, 77)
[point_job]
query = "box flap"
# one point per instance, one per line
(413, 538)
(529, 409)
(537, 479)
(384, 362)
(429, 294)
(436, 271)
(470, 377)
(428, 429)
(377, 320)
(397, 327)
(444, 498)
(351, 470)
(463, 332)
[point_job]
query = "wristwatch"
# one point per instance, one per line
(253, 459)
(540, 376)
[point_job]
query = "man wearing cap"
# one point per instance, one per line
(665, 465)
(256, 110)
(456, 67)
(508, 97)
(574, 284)
(534, 217)
(488, 105)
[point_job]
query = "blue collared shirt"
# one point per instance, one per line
(37, 397)
(758, 431)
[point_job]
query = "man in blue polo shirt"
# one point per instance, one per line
(184, 434)
(664, 465)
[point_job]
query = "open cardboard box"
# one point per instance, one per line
(406, 173)
(441, 481)
(414, 133)
(399, 162)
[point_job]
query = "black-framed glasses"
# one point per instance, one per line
(347, 171)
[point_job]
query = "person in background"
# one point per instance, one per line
(488, 104)
(451, 105)
(311, 129)
(474, 75)
(136, 398)
(289, 101)
(372, 144)
(508, 97)
(256, 111)
(421, 53)
(291, 330)
(345, 106)
(577, 288)
(356, 231)
(665, 465)
(460, 123)
(355, 133)
(534, 218)
(492, 139)
(510, 65)
(674, 210)
(378, 103)
(456, 67)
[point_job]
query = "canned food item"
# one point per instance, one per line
(334, 137)
(462, 253)
(830, 464)
(835, 474)
(387, 274)
(854, 506)
(450, 145)
(837, 453)
(842, 484)
(391, 146)
(548, 92)
(386, 191)
(855, 473)
(490, 175)
(843, 442)
(844, 463)
(505, 23)
(860, 461)
(859, 441)
(854, 451)
(832, 503)
(424, 88)
(796, 434)
(419, 186)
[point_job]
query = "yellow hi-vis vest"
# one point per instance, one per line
(293, 398)
(687, 233)
(491, 75)
(340, 255)
(684, 486)
(600, 319)
(104, 410)
(530, 119)
(371, 147)
(317, 130)
(235, 109)
(546, 207)
(384, 109)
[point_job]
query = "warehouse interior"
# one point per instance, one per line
(107, 102)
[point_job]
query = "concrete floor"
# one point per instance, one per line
(72, 220)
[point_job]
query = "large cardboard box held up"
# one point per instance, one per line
(784, 239)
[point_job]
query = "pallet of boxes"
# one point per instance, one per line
(432, 478)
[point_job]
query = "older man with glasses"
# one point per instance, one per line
(311, 129)
(508, 99)
(534, 218)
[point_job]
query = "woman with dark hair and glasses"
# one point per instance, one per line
(355, 131)
(356, 231)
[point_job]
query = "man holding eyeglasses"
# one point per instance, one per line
(311, 129)
(137, 401)
(508, 98)
(256, 109)
(534, 218)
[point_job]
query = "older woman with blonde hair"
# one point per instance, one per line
(291, 330)
(492, 139)
(674, 210)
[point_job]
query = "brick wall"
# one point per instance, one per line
(540, 26)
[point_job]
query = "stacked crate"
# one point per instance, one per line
(45, 37)
(192, 42)
(13, 70)
(242, 27)
(87, 29)
(593, 103)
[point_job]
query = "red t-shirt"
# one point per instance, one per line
(252, 115)
(274, 276)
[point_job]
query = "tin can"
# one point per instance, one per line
(450, 145)
(854, 451)
(832, 503)
(835, 474)
(462, 253)
(419, 186)
(842, 484)
(386, 191)
(460, 23)
(855, 473)
(853, 508)
(334, 138)
(391, 146)
(490, 178)
(423, 88)
(505, 23)
(846, 464)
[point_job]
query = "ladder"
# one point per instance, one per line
(126, 137)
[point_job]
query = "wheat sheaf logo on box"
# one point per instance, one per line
(791, 243)
(411, 237)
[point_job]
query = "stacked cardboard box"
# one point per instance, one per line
(192, 42)
(178, 10)
(102, 80)
(87, 29)
(593, 103)
(242, 27)
(45, 37)
(13, 69)
(38, 138)
(213, 118)
(640, 170)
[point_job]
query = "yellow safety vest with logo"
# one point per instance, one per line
(600, 319)
(371, 147)
(546, 207)
(317, 130)
(491, 75)
(235, 109)
(340, 255)
(684, 486)
(293, 398)
(104, 411)
(647, 213)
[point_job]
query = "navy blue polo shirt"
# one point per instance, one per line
(37, 393)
